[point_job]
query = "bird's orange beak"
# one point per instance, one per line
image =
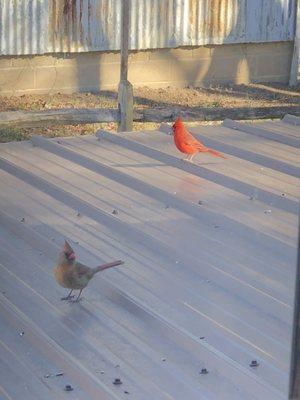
(71, 256)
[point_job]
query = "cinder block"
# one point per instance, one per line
(66, 59)
(272, 65)
(13, 79)
(151, 71)
(227, 69)
(228, 51)
(91, 58)
(112, 57)
(190, 71)
(272, 78)
(138, 56)
(21, 61)
(159, 54)
(171, 54)
(269, 48)
(243, 73)
(47, 60)
(56, 78)
(202, 52)
(109, 74)
(5, 61)
(182, 53)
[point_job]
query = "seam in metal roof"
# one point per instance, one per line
(210, 252)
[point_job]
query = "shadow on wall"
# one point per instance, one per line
(223, 22)
(77, 29)
(79, 26)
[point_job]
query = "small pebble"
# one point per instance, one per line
(216, 226)
(166, 207)
(200, 202)
(47, 376)
(267, 211)
(23, 219)
(125, 391)
(254, 363)
(176, 262)
(203, 371)
(282, 194)
(59, 374)
(21, 333)
(163, 359)
(251, 198)
(117, 366)
(202, 337)
(68, 388)
(78, 214)
(117, 381)
(115, 212)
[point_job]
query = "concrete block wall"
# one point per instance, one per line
(194, 66)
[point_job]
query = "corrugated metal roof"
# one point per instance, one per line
(210, 253)
(38, 27)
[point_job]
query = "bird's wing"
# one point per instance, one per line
(83, 270)
(190, 140)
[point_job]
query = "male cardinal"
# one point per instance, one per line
(73, 275)
(186, 143)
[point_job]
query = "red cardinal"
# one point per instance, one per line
(73, 275)
(186, 143)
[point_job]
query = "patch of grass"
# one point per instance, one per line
(13, 134)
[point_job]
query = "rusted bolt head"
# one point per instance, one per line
(254, 363)
(203, 371)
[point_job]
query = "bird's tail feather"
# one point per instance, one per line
(108, 265)
(216, 153)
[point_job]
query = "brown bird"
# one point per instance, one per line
(73, 275)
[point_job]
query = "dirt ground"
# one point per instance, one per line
(227, 96)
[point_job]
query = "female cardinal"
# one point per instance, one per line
(73, 275)
(186, 143)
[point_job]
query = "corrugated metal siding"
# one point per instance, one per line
(46, 26)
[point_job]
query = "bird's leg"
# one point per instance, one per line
(185, 158)
(69, 296)
(78, 297)
(191, 157)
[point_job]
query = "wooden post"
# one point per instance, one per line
(294, 376)
(296, 55)
(125, 93)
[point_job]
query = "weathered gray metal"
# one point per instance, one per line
(53, 26)
(294, 387)
(125, 91)
(210, 253)
(295, 66)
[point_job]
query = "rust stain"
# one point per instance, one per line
(214, 18)
(63, 24)
(193, 12)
